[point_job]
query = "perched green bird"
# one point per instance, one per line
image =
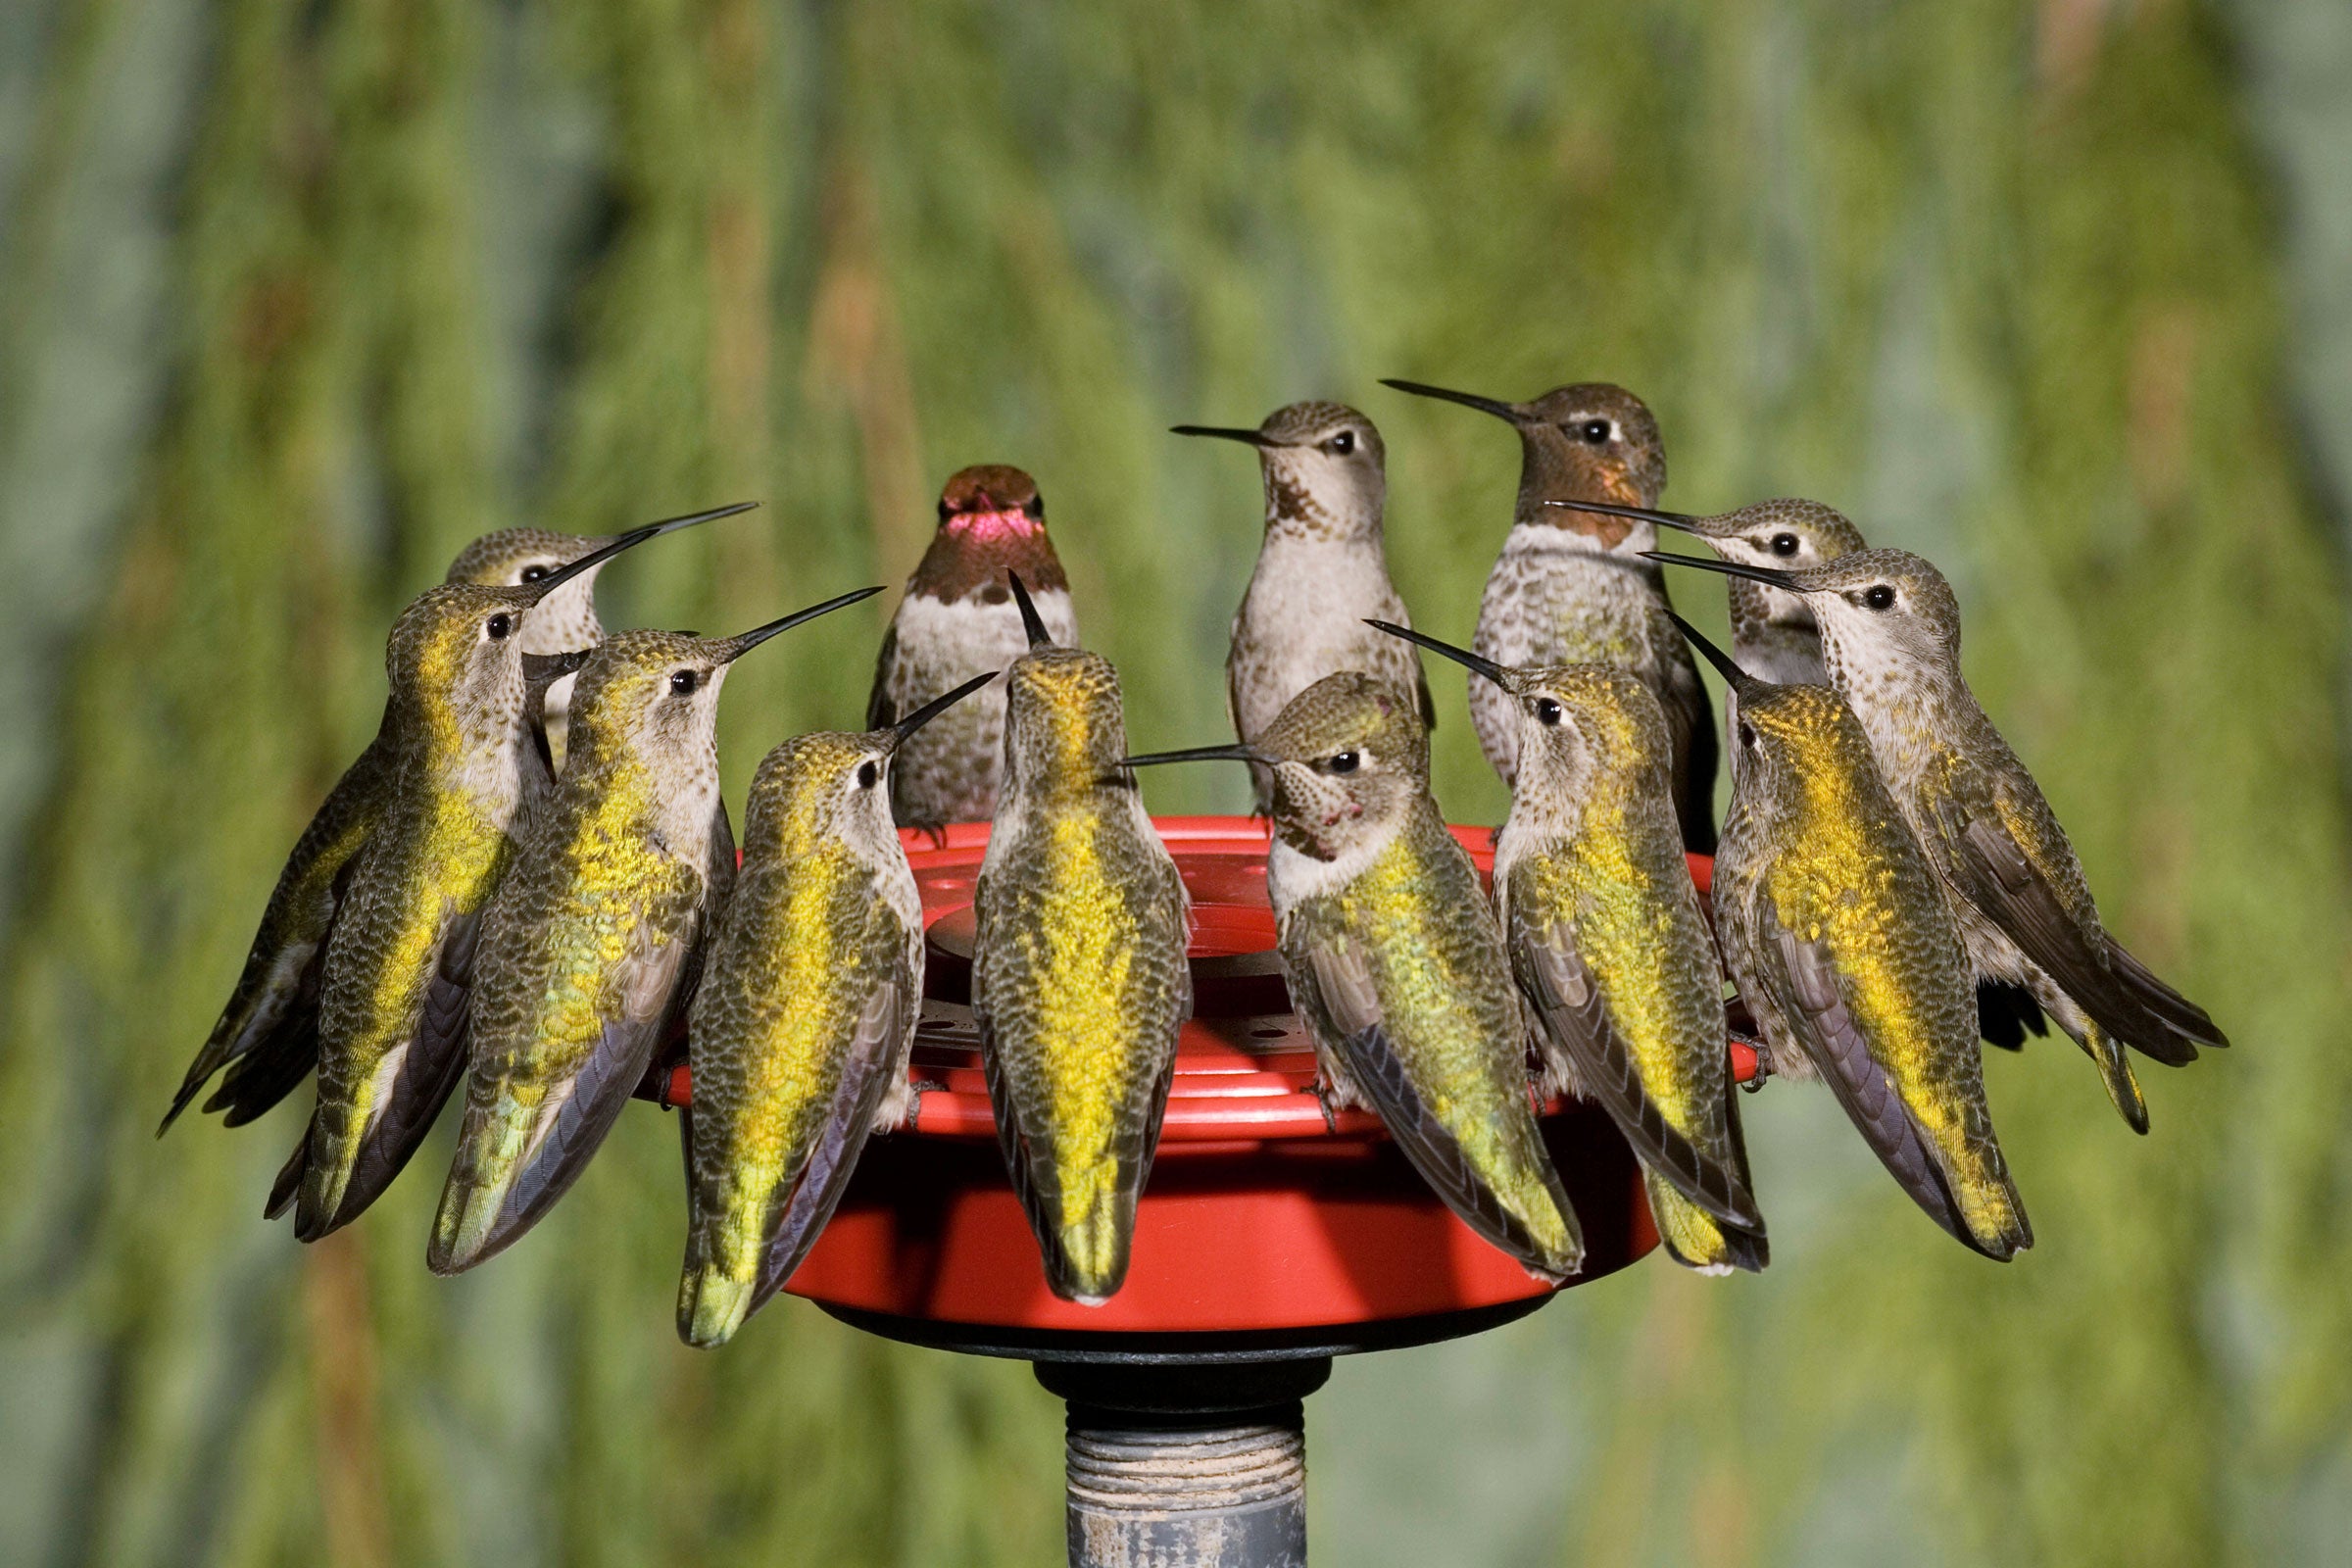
(1845, 948)
(1606, 941)
(804, 1019)
(268, 1035)
(566, 621)
(1891, 638)
(1079, 979)
(592, 946)
(458, 762)
(1774, 637)
(1396, 964)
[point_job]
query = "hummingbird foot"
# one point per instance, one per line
(1322, 1094)
(1763, 1053)
(915, 1099)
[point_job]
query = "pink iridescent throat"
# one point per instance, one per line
(988, 527)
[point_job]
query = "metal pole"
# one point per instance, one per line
(1186, 1466)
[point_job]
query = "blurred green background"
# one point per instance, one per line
(296, 298)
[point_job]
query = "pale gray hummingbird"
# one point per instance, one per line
(1891, 638)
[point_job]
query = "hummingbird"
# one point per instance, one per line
(1322, 569)
(1773, 636)
(1396, 964)
(268, 1035)
(957, 619)
(803, 1025)
(1891, 639)
(1846, 949)
(566, 621)
(593, 945)
(383, 1014)
(1602, 928)
(1079, 978)
(1571, 587)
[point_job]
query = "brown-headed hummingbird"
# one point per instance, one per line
(1572, 587)
(957, 619)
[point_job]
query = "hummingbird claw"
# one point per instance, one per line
(1755, 1080)
(915, 1090)
(1322, 1094)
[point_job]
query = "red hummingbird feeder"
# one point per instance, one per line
(1269, 1238)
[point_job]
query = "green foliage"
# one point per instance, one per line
(2000, 281)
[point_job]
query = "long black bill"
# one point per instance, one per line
(738, 646)
(1461, 656)
(1422, 389)
(1739, 679)
(542, 670)
(1729, 568)
(1200, 753)
(936, 706)
(1681, 520)
(630, 541)
(1031, 621)
(1252, 437)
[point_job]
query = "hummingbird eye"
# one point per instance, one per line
(1344, 762)
(682, 683)
(1341, 444)
(1596, 431)
(1877, 596)
(1547, 713)
(1783, 543)
(498, 626)
(535, 570)
(869, 774)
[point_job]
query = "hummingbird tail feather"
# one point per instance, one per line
(2168, 1007)
(1695, 1239)
(2115, 1071)
(2006, 1012)
(283, 1191)
(270, 1071)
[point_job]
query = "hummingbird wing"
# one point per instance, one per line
(875, 1063)
(1576, 1015)
(538, 1107)
(2011, 889)
(880, 711)
(1341, 1002)
(273, 1014)
(1801, 978)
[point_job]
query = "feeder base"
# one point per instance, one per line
(1186, 1466)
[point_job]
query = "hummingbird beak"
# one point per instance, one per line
(1679, 522)
(935, 706)
(545, 669)
(1739, 680)
(629, 541)
(1252, 437)
(734, 648)
(1421, 389)
(1201, 754)
(1461, 656)
(1031, 623)
(1729, 568)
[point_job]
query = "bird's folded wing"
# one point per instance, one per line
(1576, 1015)
(575, 1117)
(1350, 1002)
(873, 1064)
(1034, 1181)
(2000, 879)
(1803, 983)
(432, 1065)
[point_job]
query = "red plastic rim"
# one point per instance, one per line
(1258, 1217)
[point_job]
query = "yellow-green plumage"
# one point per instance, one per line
(1607, 943)
(803, 1024)
(1844, 945)
(587, 953)
(1079, 979)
